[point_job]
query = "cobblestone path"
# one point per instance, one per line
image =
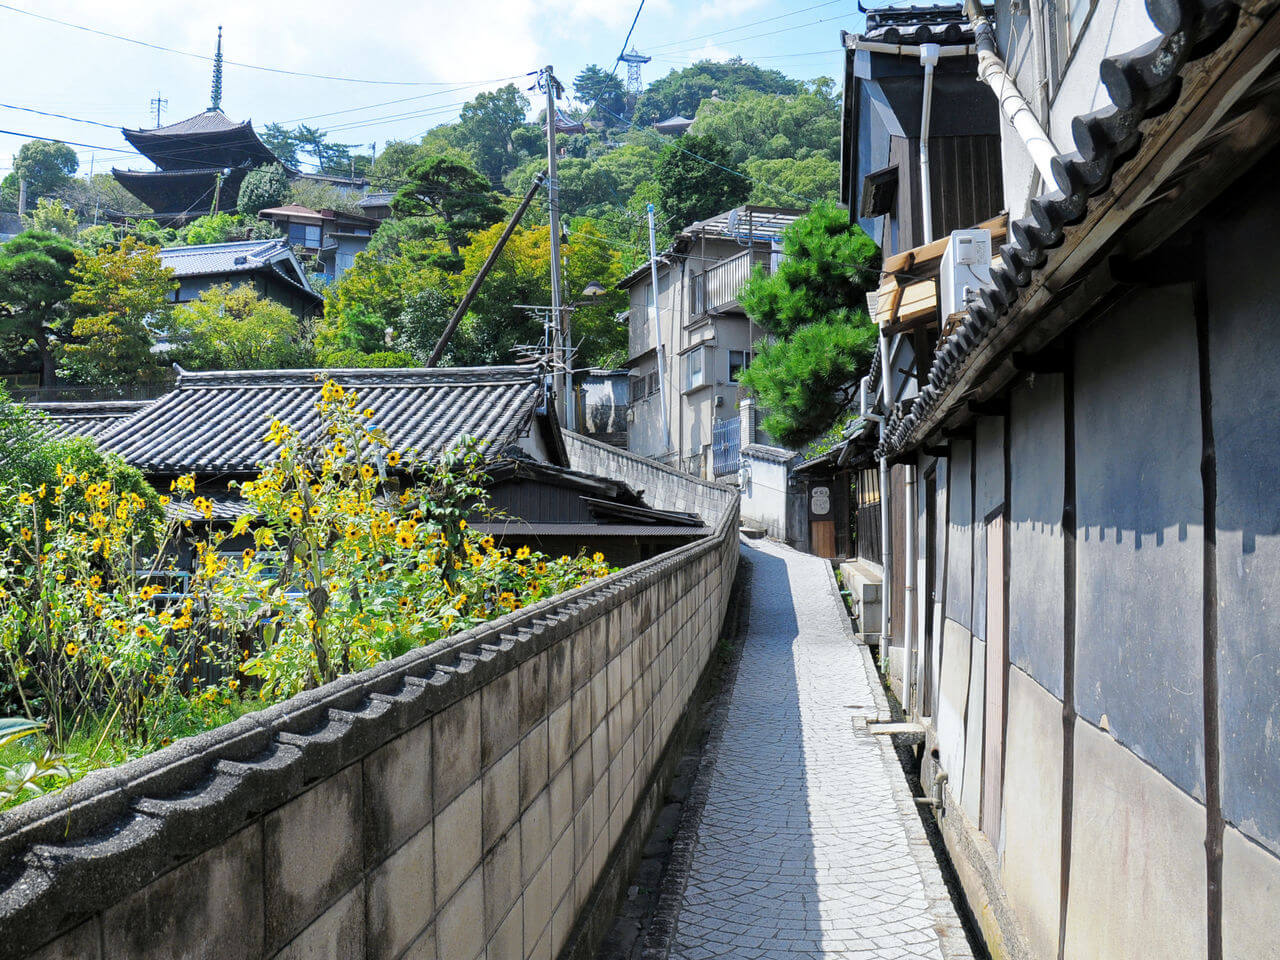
(809, 845)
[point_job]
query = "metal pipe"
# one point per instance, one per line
(470, 295)
(657, 325)
(553, 206)
(886, 541)
(929, 59)
(993, 72)
(909, 594)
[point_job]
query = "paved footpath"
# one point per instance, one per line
(809, 845)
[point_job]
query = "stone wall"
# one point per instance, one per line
(459, 802)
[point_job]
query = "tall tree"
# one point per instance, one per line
(455, 199)
(682, 91)
(759, 126)
(121, 296)
(35, 270)
(262, 188)
(813, 305)
(698, 179)
(595, 85)
(47, 166)
(485, 127)
(237, 329)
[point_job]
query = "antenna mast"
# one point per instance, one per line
(157, 105)
(634, 60)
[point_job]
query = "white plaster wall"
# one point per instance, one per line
(764, 495)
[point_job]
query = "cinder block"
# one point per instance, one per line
(561, 801)
(455, 750)
(424, 948)
(537, 904)
(508, 942)
(583, 836)
(559, 673)
(313, 852)
(339, 932)
(613, 681)
(583, 778)
(581, 654)
(559, 736)
(533, 692)
(460, 926)
(533, 763)
(501, 879)
(562, 866)
(458, 842)
(499, 716)
(209, 908)
(562, 923)
(401, 896)
(582, 723)
(501, 797)
(535, 835)
(397, 791)
(600, 751)
(599, 698)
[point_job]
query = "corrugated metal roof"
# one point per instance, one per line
(86, 419)
(215, 422)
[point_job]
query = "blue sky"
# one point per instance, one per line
(439, 53)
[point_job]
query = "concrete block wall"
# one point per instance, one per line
(456, 803)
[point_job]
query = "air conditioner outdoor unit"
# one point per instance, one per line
(966, 267)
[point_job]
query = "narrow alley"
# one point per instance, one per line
(809, 844)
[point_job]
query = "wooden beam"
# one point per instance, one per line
(916, 321)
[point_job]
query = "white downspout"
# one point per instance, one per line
(993, 72)
(929, 53)
(909, 594)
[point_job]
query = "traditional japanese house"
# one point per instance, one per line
(1082, 528)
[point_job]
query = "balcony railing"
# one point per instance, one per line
(725, 281)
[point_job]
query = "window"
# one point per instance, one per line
(361, 231)
(304, 234)
(699, 294)
(739, 360)
(653, 383)
(1065, 21)
(696, 372)
(638, 387)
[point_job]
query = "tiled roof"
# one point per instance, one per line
(232, 257)
(1143, 84)
(209, 121)
(215, 422)
(941, 24)
(86, 419)
(762, 451)
(376, 199)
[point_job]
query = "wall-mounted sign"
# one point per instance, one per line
(820, 501)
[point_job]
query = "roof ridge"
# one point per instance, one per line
(314, 376)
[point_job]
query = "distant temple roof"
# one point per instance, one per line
(208, 139)
(177, 196)
(673, 125)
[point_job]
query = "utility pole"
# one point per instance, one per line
(553, 89)
(22, 197)
(657, 325)
(158, 104)
(94, 189)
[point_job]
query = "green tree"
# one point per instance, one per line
(35, 271)
(813, 302)
(47, 166)
(790, 183)
(237, 329)
(120, 296)
(683, 91)
(319, 195)
(698, 179)
(759, 126)
(485, 127)
(389, 170)
(420, 324)
(212, 228)
(262, 188)
(451, 196)
(596, 86)
(53, 216)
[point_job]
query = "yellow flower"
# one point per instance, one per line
(462, 524)
(26, 499)
(540, 567)
(598, 557)
(393, 458)
(41, 491)
(96, 582)
(25, 532)
(367, 472)
(522, 553)
(71, 648)
(405, 538)
(295, 514)
(339, 449)
(368, 412)
(141, 631)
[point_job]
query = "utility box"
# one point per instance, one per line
(965, 267)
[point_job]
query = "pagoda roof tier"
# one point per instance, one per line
(208, 139)
(177, 196)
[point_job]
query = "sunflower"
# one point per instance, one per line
(295, 514)
(367, 472)
(71, 648)
(26, 499)
(523, 553)
(405, 538)
(393, 458)
(540, 567)
(25, 532)
(597, 557)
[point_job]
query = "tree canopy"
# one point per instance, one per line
(698, 179)
(450, 196)
(262, 188)
(597, 86)
(47, 166)
(813, 305)
(237, 329)
(682, 91)
(35, 269)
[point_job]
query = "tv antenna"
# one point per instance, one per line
(158, 103)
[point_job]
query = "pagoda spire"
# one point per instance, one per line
(216, 98)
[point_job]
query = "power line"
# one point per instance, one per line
(742, 26)
(759, 36)
(59, 116)
(422, 96)
(234, 63)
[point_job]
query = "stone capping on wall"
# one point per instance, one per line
(68, 855)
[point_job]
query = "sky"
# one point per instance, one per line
(431, 55)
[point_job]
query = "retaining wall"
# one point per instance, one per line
(458, 802)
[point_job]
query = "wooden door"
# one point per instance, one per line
(997, 658)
